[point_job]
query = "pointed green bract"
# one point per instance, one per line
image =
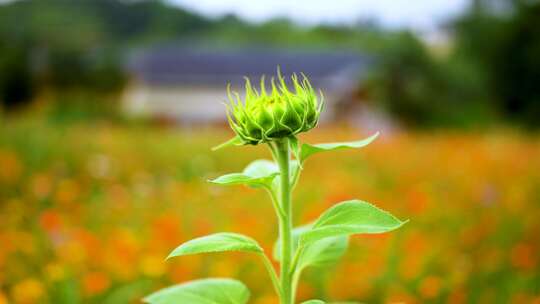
(218, 242)
(206, 291)
(308, 149)
(350, 217)
(235, 141)
(259, 173)
(314, 302)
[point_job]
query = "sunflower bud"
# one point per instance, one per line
(266, 116)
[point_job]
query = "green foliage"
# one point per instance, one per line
(421, 90)
(350, 217)
(308, 149)
(17, 84)
(216, 291)
(313, 302)
(217, 242)
(318, 254)
(505, 48)
(72, 106)
(259, 173)
(324, 252)
(491, 71)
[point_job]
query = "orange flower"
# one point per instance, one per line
(430, 287)
(50, 220)
(11, 167)
(523, 256)
(3, 298)
(95, 283)
(41, 185)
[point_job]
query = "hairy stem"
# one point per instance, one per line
(285, 221)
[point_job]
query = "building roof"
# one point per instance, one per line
(173, 65)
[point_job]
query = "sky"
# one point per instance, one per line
(418, 15)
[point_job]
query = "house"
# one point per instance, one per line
(188, 85)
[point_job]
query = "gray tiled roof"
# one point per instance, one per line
(181, 65)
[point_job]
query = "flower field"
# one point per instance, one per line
(89, 212)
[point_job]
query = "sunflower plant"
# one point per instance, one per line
(274, 117)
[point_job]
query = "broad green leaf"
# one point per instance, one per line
(321, 253)
(235, 141)
(217, 242)
(350, 217)
(324, 252)
(259, 173)
(261, 167)
(308, 149)
(206, 291)
(314, 302)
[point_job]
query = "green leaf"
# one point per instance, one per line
(350, 217)
(324, 252)
(217, 242)
(314, 302)
(318, 254)
(206, 291)
(259, 173)
(308, 150)
(235, 141)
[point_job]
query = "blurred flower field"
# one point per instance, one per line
(89, 212)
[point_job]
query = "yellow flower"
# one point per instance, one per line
(28, 291)
(153, 266)
(55, 271)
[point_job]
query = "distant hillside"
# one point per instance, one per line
(95, 23)
(64, 44)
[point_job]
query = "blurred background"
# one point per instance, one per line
(109, 109)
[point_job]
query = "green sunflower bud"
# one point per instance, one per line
(266, 116)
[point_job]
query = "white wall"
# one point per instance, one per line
(187, 104)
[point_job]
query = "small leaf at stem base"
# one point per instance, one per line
(218, 242)
(259, 173)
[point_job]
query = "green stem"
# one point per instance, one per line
(296, 278)
(285, 221)
(272, 273)
(275, 202)
(297, 255)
